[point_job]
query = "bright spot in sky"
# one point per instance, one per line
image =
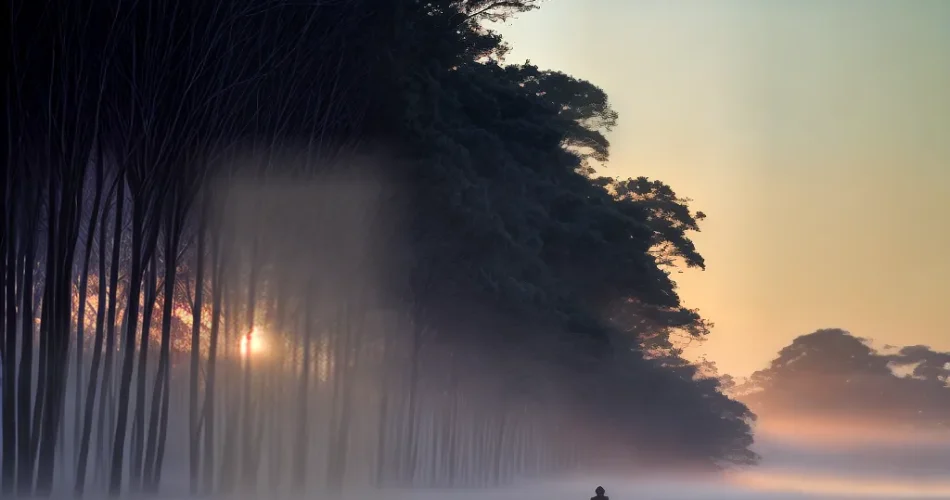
(253, 342)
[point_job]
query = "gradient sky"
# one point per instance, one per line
(814, 134)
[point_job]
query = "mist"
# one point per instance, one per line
(301, 353)
(322, 386)
(341, 249)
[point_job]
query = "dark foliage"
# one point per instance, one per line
(518, 253)
(832, 374)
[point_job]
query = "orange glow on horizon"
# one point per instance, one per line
(828, 432)
(811, 483)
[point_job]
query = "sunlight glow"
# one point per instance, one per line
(832, 485)
(825, 432)
(253, 343)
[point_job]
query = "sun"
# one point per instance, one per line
(253, 342)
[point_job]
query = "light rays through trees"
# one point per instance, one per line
(267, 246)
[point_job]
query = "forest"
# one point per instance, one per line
(834, 376)
(293, 246)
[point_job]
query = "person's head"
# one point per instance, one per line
(600, 490)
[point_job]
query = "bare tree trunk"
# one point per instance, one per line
(303, 403)
(276, 452)
(339, 439)
(411, 438)
(84, 285)
(336, 342)
(128, 358)
(194, 436)
(45, 305)
(229, 449)
(143, 247)
(248, 474)
(58, 302)
(10, 341)
(209, 404)
(162, 378)
(138, 423)
(47, 318)
(93, 384)
(25, 459)
(156, 477)
(109, 361)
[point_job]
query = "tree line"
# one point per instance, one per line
(261, 245)
(832, 374)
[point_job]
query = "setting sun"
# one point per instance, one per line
(253, 342)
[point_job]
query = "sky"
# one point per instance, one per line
(814, 134)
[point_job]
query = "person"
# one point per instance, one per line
(600, 494)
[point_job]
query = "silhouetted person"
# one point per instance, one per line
(600, 494)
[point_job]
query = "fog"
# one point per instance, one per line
(830, 459)
(802, 463)
(292, 348)
(325, 389)
(768, 482)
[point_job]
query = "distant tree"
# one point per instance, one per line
(927, 364)
(831, 373)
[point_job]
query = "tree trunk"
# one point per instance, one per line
(25, 461)
(138, 423)
(276, 452)
(340, 441)
(248, 472)
(93, 384)
(162, 378)
(209, 404)
(83, 286)
(60, 316)
(303, 403)
(156, 477)
(229, 449)
(109, 361)
(194, 459)
(125, 381)
(10, 345)
(47, 316)
(411, 439)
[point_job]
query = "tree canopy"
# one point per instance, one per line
(181, 175)
(832, 374)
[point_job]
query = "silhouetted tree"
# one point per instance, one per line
(832, 374)
(519, 293)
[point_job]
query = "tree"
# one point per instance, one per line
(928, 365)
(245, 137)
(833, 374)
